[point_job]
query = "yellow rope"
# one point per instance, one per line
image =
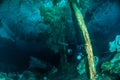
(88, 46)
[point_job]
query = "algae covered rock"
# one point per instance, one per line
(81, 66)
(59, 18)
(3, 76)
(113, 66)
(115, 45)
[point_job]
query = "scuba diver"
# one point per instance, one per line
(74, 51)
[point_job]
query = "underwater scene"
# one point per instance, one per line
(59, 39)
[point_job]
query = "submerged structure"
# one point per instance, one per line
(59, 40)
